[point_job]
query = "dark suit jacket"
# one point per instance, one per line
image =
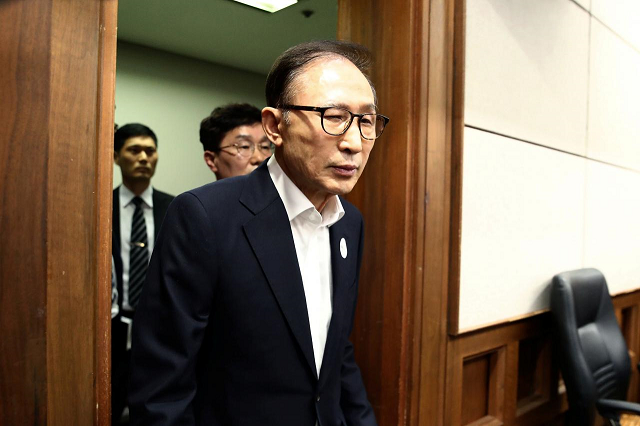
(161, 203)
(221, 335)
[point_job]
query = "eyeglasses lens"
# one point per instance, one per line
(245, 149)
(336, 120)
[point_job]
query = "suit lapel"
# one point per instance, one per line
(115, 241)
(343, 274)
(269, 234)
(115, 217)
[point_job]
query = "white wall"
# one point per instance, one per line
(171, 94)
(551, 172)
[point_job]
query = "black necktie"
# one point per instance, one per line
(139, 255)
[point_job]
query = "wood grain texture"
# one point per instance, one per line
(400, 329)
(534, 374)
(475, 381)
(457, 153)
(531, 394)
(470, 345)
(627, 309)
(380, 332)
(24, 141)
(440, 109)
(404, 194)
(104, 197)
(50, 225)
(71, 289)
(71, 233)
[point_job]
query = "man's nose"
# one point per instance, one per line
(256, 156)
(352, 139)
(143, 157)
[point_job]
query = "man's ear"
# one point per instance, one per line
(210, 159)
(271, 120)
(116, 158)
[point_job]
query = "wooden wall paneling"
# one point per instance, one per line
(534, 373)
(627, 307)
(629, 326)
(103, 190)
(477, 385)
(453, 384)
(543, 406)
(475, 382)
(532, 394)
(544, 403)
(24, 140)
(510, 381)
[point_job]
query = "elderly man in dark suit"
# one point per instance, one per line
(251, 292)
(138, 211)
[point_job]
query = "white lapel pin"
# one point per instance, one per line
(343, 248)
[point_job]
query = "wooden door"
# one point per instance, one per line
(405, 194)
(56, 130)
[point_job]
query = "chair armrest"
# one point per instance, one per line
(612, 408)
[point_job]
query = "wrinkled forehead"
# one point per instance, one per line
(328, 76)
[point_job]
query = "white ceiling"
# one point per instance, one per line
(222, 31)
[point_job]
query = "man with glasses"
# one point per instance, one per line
(252, 287)
(233, 140)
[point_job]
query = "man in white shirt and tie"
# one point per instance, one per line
(138, 211)
(252, 287)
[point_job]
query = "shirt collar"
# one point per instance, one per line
(126, 196)
(296, 203)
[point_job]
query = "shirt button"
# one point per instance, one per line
(318, 398)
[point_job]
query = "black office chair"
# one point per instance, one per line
(594, 359)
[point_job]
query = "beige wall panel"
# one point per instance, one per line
(612, 225)
(526, 70)
(584, 3)
(522, 222)
(614, 100)
(172, 94)
(622, 16)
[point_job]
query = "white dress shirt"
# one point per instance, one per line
(127, 207)
(114, 291)
(310, 230)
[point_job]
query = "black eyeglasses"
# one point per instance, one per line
(336, 121)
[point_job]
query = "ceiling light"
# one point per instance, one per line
(268, 5)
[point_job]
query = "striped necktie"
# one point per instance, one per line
(139, 255)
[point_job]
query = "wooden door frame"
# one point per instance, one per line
(56, 139)
(405, 195)
(408, 197)
(104, 192)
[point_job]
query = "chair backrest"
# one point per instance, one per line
(593, 354)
